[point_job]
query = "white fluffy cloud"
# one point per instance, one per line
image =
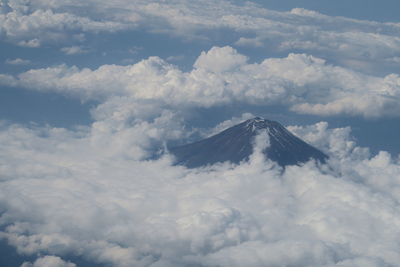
(149, 213)
(301, 82)
(220, 60)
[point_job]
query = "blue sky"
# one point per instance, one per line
(108, 82)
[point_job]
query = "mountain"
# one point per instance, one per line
(236, 144)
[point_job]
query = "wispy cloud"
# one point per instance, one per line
(30, 43)
(74, 50)
(18, 61)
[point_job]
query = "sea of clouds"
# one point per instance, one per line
(92, 192)
(88, 193)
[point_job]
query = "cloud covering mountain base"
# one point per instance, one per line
(91, 191)
(63, 194)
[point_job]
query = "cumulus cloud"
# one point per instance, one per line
(150, 213)
(337, 142)
(300, 82)
(220, 59)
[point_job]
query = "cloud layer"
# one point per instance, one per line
(149, 213)
(300, 82)
(362, 45)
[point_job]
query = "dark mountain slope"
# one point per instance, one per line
(236, 144)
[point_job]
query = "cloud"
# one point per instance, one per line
(337, 142)
(252, 42)
(150, 213)
(73, 50)
(394, 59)
(30, 43)
(31, 28)
(300, 82)
(220, 60)
(175, 58)
(8, 80)
(342, 40)
(18, 61)
(229, 123)
(48, 261)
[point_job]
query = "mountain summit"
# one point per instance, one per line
(235, 144)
